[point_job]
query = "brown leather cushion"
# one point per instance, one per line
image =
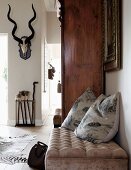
(57, 117)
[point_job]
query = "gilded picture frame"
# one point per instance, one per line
(112, 30)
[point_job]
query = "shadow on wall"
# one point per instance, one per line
(121, 135)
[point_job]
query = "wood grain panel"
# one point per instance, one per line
(82, 43)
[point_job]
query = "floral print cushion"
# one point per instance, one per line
(79, 109)
(100, 123)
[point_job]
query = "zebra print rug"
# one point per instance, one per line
(12, 159)
(10, 147)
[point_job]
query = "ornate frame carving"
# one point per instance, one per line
(60, 10)
(112, 35)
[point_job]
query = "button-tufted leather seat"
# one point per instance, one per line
(67, 152)
(57, 118)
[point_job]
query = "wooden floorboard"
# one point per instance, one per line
(42, 134)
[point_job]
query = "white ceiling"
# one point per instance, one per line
(50, 5)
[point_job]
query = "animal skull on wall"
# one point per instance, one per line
(24, 42)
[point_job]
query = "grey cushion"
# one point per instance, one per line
(100, 123)
(79, 109)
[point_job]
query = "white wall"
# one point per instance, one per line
(121, 81)
(54, 29)
(22, 73)
(45, 56)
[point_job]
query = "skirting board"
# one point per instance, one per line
(13, 122)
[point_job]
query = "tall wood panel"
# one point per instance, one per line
(82, 49)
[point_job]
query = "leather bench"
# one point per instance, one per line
(67, 152)
(57, 118)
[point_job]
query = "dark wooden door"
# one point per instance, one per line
(82, 49)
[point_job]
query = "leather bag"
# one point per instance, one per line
(36, 158)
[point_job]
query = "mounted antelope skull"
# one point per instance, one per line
(24, 42)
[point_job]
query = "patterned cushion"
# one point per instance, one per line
(78, 110)
(100, 123)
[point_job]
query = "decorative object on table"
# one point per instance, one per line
(51, 72)
(36, 157)
(25, 108)
(24, 41)
(59, 87)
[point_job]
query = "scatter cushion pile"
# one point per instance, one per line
(100, 123)
(78, 110)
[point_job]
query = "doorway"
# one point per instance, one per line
(4, 78)
(51, 56)
(51, 96)
(55, 61)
